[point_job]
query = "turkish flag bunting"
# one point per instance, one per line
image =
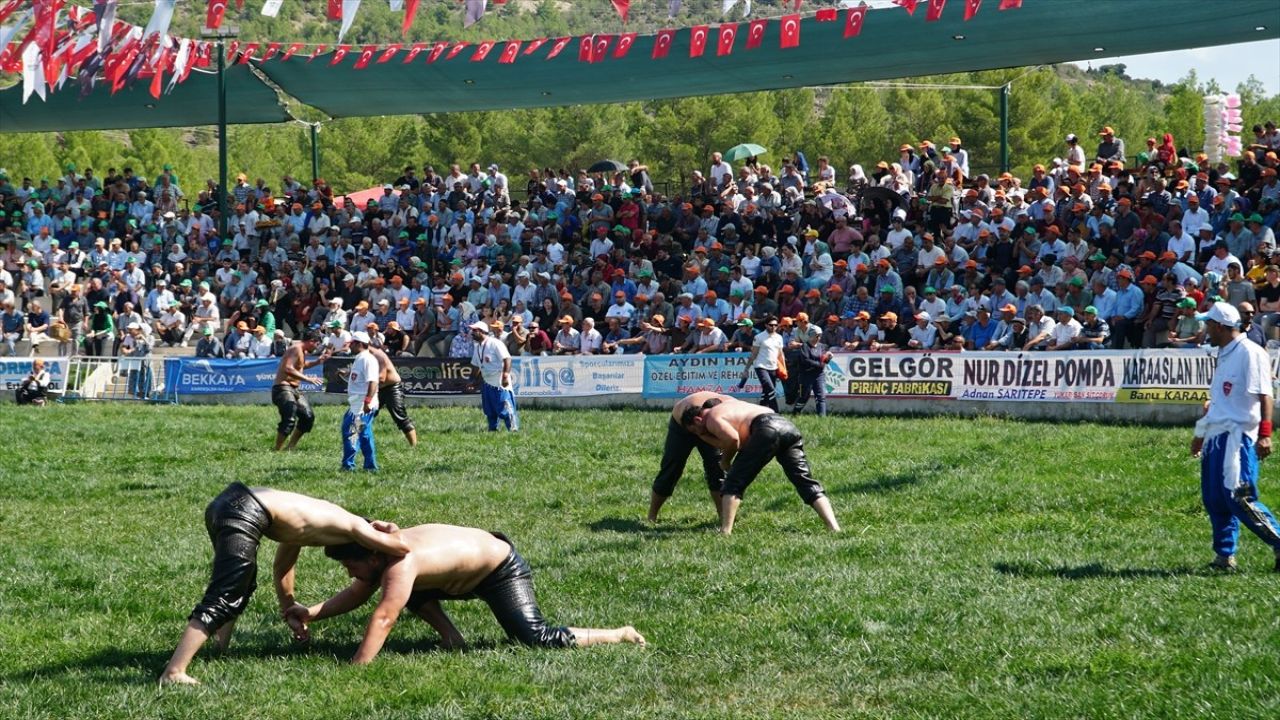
(755, 33)
(559, 47)
(339, 53)
(233, 49)
(453, 53)
(662, 43)
(247, 54)
(410, 9)
(204, 55)
(437, 51)
(366, 56)
(214, 12)
(908, 5)
(335, 10)
(290, 51)
(316, 53)
(728, 33)
(1010, 4)
(585, 45)
(534, 45)
(826, 15)
(934, 12)
(414, 52)
(853, 18)
(600, 47)
(623, 7)
(510, 52)
(389, 52)
(790, 37)
(157, 80)
(270, 52)
(697, 40)
(482, 51)
(625, 41)
(795, 5)
(971, 9)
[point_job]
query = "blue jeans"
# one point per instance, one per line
(1227, 508)
(358, 429)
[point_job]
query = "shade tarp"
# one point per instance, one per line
(192, 103)
(892, 45)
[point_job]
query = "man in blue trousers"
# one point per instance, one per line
(1233, 436)
(362, 403)
(497, 394)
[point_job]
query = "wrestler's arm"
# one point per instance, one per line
(282, 573)
(435, 616)
(379, 536)
(352, 597)
(397, 586)
(722, 434)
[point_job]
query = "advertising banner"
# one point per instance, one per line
(211, 376)
(14, 370)
(577, 375)
(419, 376)
(671, 376)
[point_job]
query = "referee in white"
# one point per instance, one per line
(497, 395)
(1233, 436)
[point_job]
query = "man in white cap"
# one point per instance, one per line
(362, 404)
(497, 395)
(1233, 436)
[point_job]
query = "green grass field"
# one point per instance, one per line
(988, 569)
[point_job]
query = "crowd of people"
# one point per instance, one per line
(1095, 249)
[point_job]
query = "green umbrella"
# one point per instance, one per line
(744, 151)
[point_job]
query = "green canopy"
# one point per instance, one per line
(893, 44)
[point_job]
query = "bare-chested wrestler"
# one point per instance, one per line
(675, 452)
(391, 395)
(447, 562)
(750, 436)
(237, 520)
(296, 415)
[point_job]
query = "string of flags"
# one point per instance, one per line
(52, 43)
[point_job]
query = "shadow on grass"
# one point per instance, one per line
(1092, 571)
(882, 484)
(632, 525)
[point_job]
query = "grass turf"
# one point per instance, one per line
(988, 568)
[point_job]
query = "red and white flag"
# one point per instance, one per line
(389, 52)
(366, 57)
(339, 54)
(908, 5)
(482, 51)
(8, 8)
(290, 51)
(214, 12)
(335, 10)
(623, 7)
(971, 9)
(625, 41)
(456, 50)
(826, 15)
(270, 52)
(697, 40)
(790, 37)
(728, 33)
(233, 50)
(534, 45)
(755, 33)
(662, 43)
(600, 47)
(410, 9)
(316, 53)
(586, 44)
(559, 46)
(853, 18)
(934, 12)
(510, 52)
(1010, 4)
(437, 51)
(414, 51)
(246, 54)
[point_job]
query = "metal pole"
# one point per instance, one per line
(222, 139)
(315, 151)
(1004, 128)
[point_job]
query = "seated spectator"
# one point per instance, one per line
(34, 389)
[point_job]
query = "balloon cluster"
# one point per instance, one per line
(1222, 125)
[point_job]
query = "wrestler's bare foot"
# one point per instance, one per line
(629, 634)
(177, 679)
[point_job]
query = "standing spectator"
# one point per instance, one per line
(362, 406)
(765, 361)
(497, 394)
(136, 347)
(812, 357)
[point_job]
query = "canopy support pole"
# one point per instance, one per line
(1004, 127)
(222, 140)
(315, 151)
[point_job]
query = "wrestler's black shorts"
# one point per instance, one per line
(236, 521)
(294, 409)
(772, 437)
(508, 591)
(391, 397)
(675, 452)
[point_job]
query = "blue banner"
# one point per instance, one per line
(672, 376)
(210, 376)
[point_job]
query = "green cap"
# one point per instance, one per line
(887, 289)
(133, 222)
(27, 246)
(237, 274)
(645, 273)
(1070, 311)
(186, 283)
(131, 259)
(1186, 303)
(1091, 310)
(1237, 218)
(930, 289)
(746, 322)
(1077, 281)
(1255, 218)
(33, 263)
(553, 215)
(1030, 230)
(1098, 256)
(100, 304)
(208, 330)
(167, 166)
(335, 323)
(621, 228)
(74, 245)
(405, 234)
(261, 303)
